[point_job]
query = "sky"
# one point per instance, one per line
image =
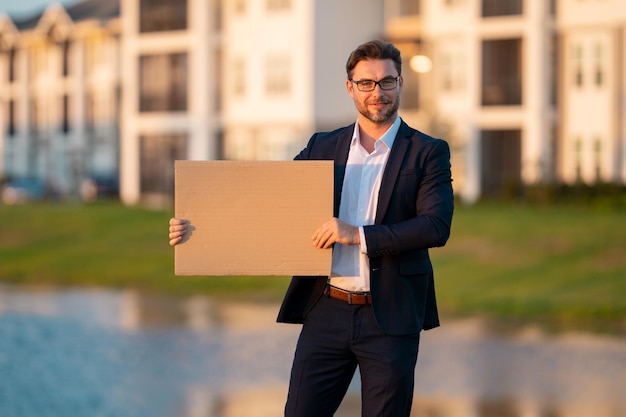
(18, 9)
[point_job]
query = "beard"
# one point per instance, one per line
(379, 116)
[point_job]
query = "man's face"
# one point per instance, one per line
(379, 105)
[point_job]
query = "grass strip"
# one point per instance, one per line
(563, 264)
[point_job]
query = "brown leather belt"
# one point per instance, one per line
(348, 296)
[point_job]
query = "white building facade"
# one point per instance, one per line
(593, 91)
(525, 91)
(284, 71)
(170, 57)
(59, 95)
(491, 88)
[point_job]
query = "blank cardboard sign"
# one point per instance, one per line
(252, 218)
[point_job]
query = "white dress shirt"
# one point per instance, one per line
(359, 202)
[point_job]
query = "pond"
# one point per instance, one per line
(67, 353)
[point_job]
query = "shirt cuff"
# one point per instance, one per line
(362, 238)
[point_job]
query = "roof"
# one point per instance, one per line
(85, 10)
(98, 9)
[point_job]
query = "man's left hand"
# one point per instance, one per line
(335, 231)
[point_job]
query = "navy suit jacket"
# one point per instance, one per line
(414, 213)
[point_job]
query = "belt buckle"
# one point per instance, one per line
(357, 294)
(350, 297)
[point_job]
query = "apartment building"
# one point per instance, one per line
(175, 79)
(171, 80)
(491, 91)
(60, 95)
(525, 91)
(284, 71)
(243, 80)
(592, 85)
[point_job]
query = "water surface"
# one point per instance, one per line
(67, 353)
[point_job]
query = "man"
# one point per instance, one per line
(393, 201)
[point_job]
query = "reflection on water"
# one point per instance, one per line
(104, 353)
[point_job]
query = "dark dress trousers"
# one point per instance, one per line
(414, 213)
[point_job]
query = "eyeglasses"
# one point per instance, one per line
(370, 85)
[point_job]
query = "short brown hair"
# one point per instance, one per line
(375, 49)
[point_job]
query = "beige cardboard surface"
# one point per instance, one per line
(253, 217)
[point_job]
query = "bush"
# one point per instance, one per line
(601, 195)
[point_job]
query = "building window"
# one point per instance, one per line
(11, 69)
(278, 75)
(447, 77)
(502, 72)
(409, 7)
(65, 125)
(453, 72)
(239, 78)
(277, 5)
(95, 53)
(65, 52)
(554, 69)
(163, 82)
(239, 7)
(578, 150)
(91, 113)
(35, 117)
(599, 65)
(157, 156)
(38, 61)
(410, 91)
(218, 16)
(99, 113)
(162, 15)
(492, 8)
(578, 66)
(11, 128)
(552, 7)
(597, 150)
(414, 65)
(501, 162)
(218, 80)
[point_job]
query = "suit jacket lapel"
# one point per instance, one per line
(341, 159)
(392, 169)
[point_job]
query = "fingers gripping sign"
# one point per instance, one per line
(178, 229)
(335, 231)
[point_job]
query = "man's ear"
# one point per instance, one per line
(350, 88)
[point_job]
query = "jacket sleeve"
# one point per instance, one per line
(429, 224)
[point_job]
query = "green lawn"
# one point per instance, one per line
(565, 264)
(105, 245)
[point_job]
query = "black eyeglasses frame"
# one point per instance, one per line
(359, 84)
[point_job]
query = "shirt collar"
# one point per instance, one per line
(387, 138)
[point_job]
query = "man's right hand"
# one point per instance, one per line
(178, 228)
